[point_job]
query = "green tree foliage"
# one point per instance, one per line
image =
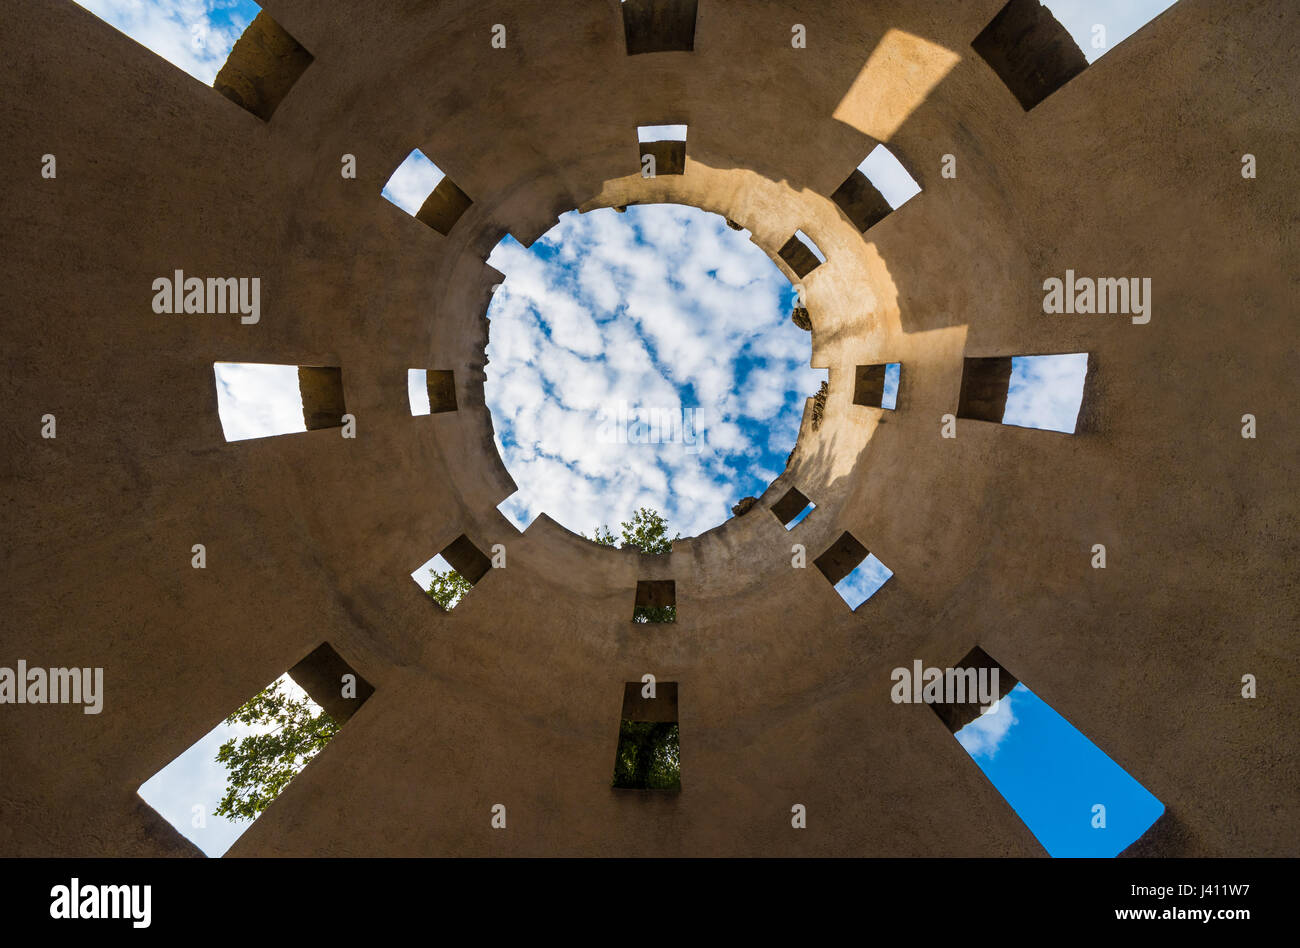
(448, 588)
(260, 765)
(648, 757)
(647, 531)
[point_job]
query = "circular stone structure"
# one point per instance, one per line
(1131, 169)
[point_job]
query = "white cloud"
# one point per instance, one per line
(412, 182)
(983, 736)
(1046, 391)
(888, 176)
(193, 35)
(256, 400)
(864, 581)
(613, 319)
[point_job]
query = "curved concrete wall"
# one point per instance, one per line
(1131, 169)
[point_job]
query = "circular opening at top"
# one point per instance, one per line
(644, 358)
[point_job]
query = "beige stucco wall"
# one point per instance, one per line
(1132, 169)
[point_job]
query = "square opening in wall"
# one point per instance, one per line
(1031, 52)
(417, 390)
(877, 187)
(448, 577)
(888, 176)
(855, 573)
(801, 255)
(792, 508)
(648, 755)
(263, 66)
(656, 601)
(420, 188)
(441, 388)
(662, 149)
(659, 26)
(876, 386)
(1046, 392)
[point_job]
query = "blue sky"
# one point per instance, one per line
(615, 321)
(1046, 391)
(1121, 18)
(863, 582)
(194, 35)
(1053, 776)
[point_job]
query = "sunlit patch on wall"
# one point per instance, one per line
(897, 78)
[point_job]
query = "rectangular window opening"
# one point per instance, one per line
(1043, 391)
(449, 576)
(1031, 52)
(424, 191)
(853, 570)
(656, 601)
(263, 66)
(212, 792)
(888, 176)
(431, 391)
(876, 386)
(801, 255)
(258, 400)
(661, 133)
(648, 755)
(1074, 798)
(665, 145)
(876, 188)
(659, 26)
